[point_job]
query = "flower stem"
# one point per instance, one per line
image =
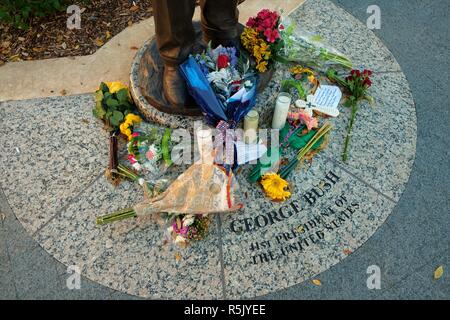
(116, 216)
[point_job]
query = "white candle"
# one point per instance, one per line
(251, 126)
(281, 110)
(205, 145)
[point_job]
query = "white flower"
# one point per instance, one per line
(137, 166)
(188, 220)
(219, 76)
(180, 239)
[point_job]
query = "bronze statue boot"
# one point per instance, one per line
(174, 87)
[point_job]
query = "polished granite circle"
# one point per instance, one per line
(55, 186)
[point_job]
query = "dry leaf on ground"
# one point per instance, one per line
(438, 272)
(317, 282)
(99, 42)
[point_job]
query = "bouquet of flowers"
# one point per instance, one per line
(114, 106)
(149, 149)
(183, 229)
(262, 39)
(222, 83)
(180, 229)
(302, 47)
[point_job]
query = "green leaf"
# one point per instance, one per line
(104, 87)
(98, 95)
(288, 84)
(112, 103)
(99, 111)
(122, 95)
(165, 147)
(116, 118)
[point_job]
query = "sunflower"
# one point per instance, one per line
(274, 186)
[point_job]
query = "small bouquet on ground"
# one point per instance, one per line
(356, 84)
(222, 83)
(305, 48)
(262, 39)
(113, 105)
(297, 135)
(183, 229)
(201, 190)
(180, 229)
(149, 149)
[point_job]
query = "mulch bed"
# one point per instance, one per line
(49, 37)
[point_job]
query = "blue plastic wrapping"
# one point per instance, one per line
(238, 105)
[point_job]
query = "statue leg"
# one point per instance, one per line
(220, 21)
(175, 37)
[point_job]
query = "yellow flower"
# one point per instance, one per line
(125, 129)
(265, 50)
(115, 86)
(132, 118)
(299, 69)
(262, 66)
(274, 186)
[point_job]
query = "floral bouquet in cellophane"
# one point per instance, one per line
(222, 83)
(300, 46)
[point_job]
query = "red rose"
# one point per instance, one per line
(222, 61)
(367, 82)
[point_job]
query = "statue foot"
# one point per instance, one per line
(174, 87)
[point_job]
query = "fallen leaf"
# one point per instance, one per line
(63, 92)
(2, 62)
(38, 49)
(130, 23)
(14, 58)
(177, 257)
(300, 229)
(438, 272)
(317, 282)
(134, 48)
(108, 34)
(25, 54)
(64, 45)
(21, 38)
(347, 252)
(85, 121)
(2, 216)
(99, 42)
(134, 8)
